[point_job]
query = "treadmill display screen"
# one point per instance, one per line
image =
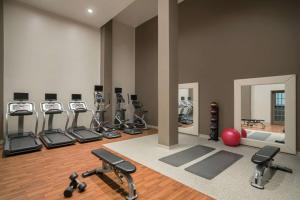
(98, 88)
(50, 97)
(21, 96)
(133, 97)
(76, 97)
(118, 90)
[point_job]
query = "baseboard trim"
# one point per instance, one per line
(168, 147)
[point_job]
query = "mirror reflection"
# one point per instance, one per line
(185, 107)
(263, 112)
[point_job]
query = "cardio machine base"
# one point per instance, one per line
(55, 138)
(111, 134)
(132, 131)
(18, 144)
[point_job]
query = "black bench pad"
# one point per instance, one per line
(114, 160)
(107, 156)
(265, 154)
(126, 167)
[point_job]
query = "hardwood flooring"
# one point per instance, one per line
(44, 175)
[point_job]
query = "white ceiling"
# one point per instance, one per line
(139, 12)
(104, 10)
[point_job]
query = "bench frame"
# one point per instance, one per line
(106, 168)
(257, 180)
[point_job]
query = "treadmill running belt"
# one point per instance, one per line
(86, 134)
(21, 143)
(57, 138)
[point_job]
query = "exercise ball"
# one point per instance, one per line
(244, 133)
(231, 137)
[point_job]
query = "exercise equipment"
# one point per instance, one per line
(185, 111)
(20, 141)
(243, 133)
(120, 121)
(253, 122)
(231, 137)
(139, 113)
(214, 121)
(113, 163)
(54, 137)
(263, 160)
(81, 133)
(75, 183)
(98, 123)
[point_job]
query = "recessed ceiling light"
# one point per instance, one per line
(90, 11)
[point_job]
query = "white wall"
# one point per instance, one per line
(261, 101)
(47, 53)
(123, 61)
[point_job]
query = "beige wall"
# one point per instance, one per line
(46, 53)
(220, 41)
(123, 61)
(261, 100)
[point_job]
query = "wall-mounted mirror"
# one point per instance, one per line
(188, 108)
(265, 111)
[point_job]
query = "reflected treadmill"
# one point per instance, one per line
(21, 142)
(54, 137)
(81, 133)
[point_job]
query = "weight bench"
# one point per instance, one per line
(113, 163)
(264, 159)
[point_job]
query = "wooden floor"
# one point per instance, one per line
(44, 175)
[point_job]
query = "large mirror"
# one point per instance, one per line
(188, 108)
(265, 111)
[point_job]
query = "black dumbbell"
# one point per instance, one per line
(74, 184)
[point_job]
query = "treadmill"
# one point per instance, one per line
(54, 137)
(18, 142)
(81, 133)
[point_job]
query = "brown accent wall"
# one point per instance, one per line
(220, 41)
(1, 69)
(146, 62)
(106, 65)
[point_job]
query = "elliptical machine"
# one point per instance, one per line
(98, 124)
(139, 113)
(120, 121)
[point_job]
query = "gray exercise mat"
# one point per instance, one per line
(186, 156)
(259, 136)
(213, 165)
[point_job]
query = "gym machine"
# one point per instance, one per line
(21, 141)
(263, 160)
(81, 133)
(113, 163)
(54, 137)
(139, 113)
(98, 123)
(185, 111)
(120, 120)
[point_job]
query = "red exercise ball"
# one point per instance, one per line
(244, 133)
(231, 137)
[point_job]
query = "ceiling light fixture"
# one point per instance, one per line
(90, 11)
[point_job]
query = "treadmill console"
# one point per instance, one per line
(78, 106)
(51, 106)
(20, 108)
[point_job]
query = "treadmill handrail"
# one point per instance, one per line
(74, 113)
(44, 114)
(34, 112)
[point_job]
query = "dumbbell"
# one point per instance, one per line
(74, 184)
